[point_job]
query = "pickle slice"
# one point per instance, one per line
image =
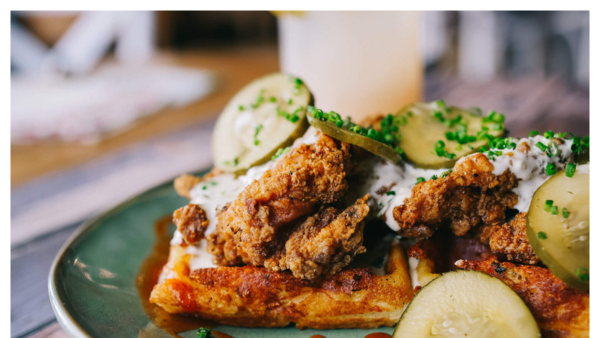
(340, 133)
(562, 243)
(466, 304)
(267, 114)
(426, 123)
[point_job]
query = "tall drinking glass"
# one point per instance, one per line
(355, 63)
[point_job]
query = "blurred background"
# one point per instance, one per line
(107, 104)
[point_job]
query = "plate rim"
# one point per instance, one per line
(64, 318)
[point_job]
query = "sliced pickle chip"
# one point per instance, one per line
(466, 304)
(341, 132)
(563, 243)
(424, 124)
(267, 114)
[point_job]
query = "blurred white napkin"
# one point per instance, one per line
(85, 108)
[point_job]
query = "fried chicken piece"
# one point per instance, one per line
(309, 176)
(468, 196)
(511, 240)
(184, 183)
(323, 243)
(191, 221)
(560, 311)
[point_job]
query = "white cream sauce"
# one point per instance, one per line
(221, 190)
(530, 166)
(382, 173)
(412, 271)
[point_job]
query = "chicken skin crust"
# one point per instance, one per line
(510, 240)
(468, 196)
(323, 243)
(560, 311)
(250, 229)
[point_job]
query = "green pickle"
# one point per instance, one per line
(331, 124)
(466, 304)
(267, 114)
(425, 124)
(561, 239)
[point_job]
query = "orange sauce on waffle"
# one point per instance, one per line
(148, 277)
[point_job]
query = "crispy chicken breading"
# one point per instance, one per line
(510, 239)
(191, 221)
(250, 229)
(467, 197)
(559, 310)
(323, 243)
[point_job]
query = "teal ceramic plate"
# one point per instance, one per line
(92, 282)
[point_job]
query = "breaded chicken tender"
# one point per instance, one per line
(560, 311)
(191, 221)
(249, 229)
(323, 243)
(510, 239)
(468, 196)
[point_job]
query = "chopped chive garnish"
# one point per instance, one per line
(389, 193)
(203, 187)
(203, 333)
(356, 129)
(548, 205)
(420, 180)
(241, 108)
(494, 117)
(280, 152)
(298, 81)
(542, 146)
(583, 274)
(549, 134)
(272, 99)
(542, 235)
(235, 161)
(290, 101)
(554, 210)
(533, 133)
(550, 169)
(570, 170)
(213, 183)
(400, 151)
(440, 104)
(434, 177)
(565, 213)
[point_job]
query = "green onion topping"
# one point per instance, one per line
(542, 235)
(550, 169)
(548, 205)
(570, 170)
(583, 274)
(203, 333)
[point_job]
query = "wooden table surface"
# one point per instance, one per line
(51, 171)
